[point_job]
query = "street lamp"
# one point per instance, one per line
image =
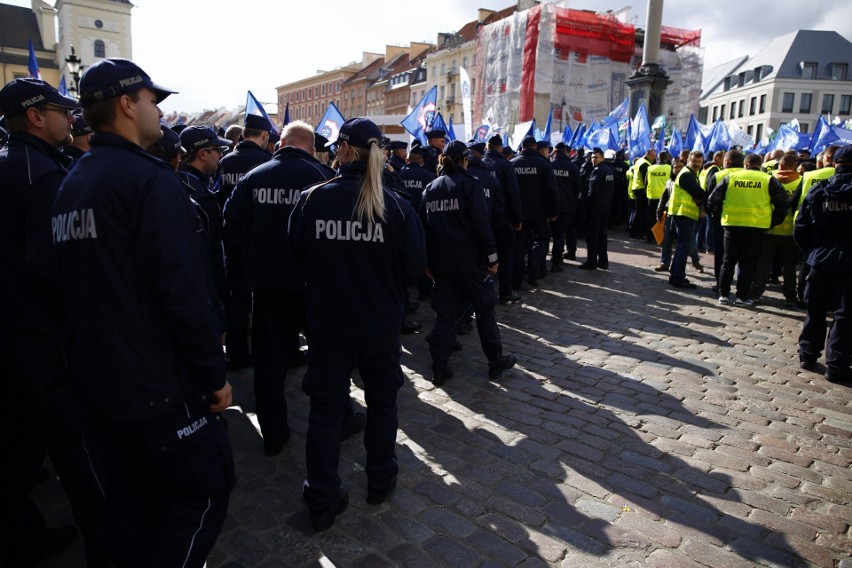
(75, 66)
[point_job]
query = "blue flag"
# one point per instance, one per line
(439, 124)
(577, 138)
(450, 133)
(589, 135)
(719, 138)
(661, 141)
(32, 63)
(804, 142)
(786, 139)
(546, 134)
(330, 123)
(598, 136)
(63, 89)
(613, 143)
(481, 133)
(286, 114)
(676, 143)
(505, 139)
(619, 113)
(819, 139)
(567, 135)
(421, 118)
(640, 141)
(692, 132)
(254, 107)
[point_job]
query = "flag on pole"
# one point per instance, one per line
(719, 138)
(546, 134)
(675, 143)
(439, 124)
(619, 113)
(578, 135)
(819, 139)
(420, 119)
(254, 108)
(286, 114)
(32, 63)
(450, 132)
(692, 132)
(640, 142)
(567, 135)
(660, 146)
(466, 106)
(330, 123)
(63, 88)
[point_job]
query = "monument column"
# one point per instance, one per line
(648, 83)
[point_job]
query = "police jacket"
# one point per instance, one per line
(493, 192)
(236, 164)
(431, 157)
(567, 183)
(143, 336)
(777, 195)
(415, 178)
(823, 228)
(455, 215)
(201, 191)
(355, 272)
(537, 184)
(31, 171)
(256, 216)
(598, 192)
(74, 153)
(619, 170)
(502, 169)
(396, 162)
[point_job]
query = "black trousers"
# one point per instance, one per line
(640, 227)
(238, 315)
(596, 237)
(505, 238)
(742, 246)
(824, 292)
(784, 248)
(558, 229)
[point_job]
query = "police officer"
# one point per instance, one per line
(640, 225)
(436, 140)
(823, 230)
(568, 190)
(658, 174)
(261, 262)
(32, 342)
(506, 235)
(683, 213)
(398, 150)
(733, 162)
(597, 198)
(462, 260)
(81, 133)
(414, 175)
(352, 230)
(145, 351)
(747, 202)
(248, 153)
(538, 198)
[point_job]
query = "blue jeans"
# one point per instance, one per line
(684, 229)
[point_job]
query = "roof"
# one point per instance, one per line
(782, 58)
(714, 76)
(19, 26)
(371, 71)
(470, 30)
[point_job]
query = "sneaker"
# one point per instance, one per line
(497, 366)
(744, 303)
(662, 268)
(726, 300)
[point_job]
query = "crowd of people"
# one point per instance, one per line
(133, 252)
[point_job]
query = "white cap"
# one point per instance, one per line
(609, 154)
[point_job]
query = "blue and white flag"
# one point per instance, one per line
(675, 143)
(481, 134)
(546, 134)
(32, 63)
(286, 114)
(254, 107)
(640, 141)
(660, 146)
(330, 123)
(619, 113)
(692, 132)
(439, 124)
(567, 135)
(719, 138)
(420, 119)
(63, 89)
(578, 136)
(820, 139)
(450, 132)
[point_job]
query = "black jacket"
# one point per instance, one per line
(823, 228)
(537, 184)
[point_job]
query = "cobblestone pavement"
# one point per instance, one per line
(643, 426)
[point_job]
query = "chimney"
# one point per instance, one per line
(483, 15)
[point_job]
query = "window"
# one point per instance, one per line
(733, 109)
(750, 129)
(827, 104)
(100, 48)
(752, 106)
(803, 127)
(722, 112)
(740, 108)
(809, 70)
(360, 92)
(762, 104)
(845, 105)
(441, 96)
(464, 62)
(323, 90)
(787, 102)
(838, 71)
(805, 103)
(443, 68)
(715, 113)
(759, 134)
(338, 87)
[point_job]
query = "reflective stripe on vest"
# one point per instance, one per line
(658, 175)
(747, 202)
(680, 202)
(785, 228)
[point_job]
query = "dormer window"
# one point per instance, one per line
(838, 71)
(809, 70)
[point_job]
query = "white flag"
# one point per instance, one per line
(465, 93)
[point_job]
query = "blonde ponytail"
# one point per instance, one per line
(371, 200)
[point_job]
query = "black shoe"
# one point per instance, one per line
(497, 366)
(299, 359)
(587, 266)
(513, 299)
(464, 328)
(378, 497)
(48, 542)
(273, 448)
(532, 282)
(410, 327)
(807, 363)
(603, 265)
(570, 256)
(682, 284)
(518, 286)
(556, 268)
(323, 519)
(237, 363)
(354, 426)
(411, 307)
(442, 376)
(424, 296)
(838, 376)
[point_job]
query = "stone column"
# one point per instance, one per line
(648, 83)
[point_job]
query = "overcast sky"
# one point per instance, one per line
(212, 52)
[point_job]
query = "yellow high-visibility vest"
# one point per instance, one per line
(747, 202)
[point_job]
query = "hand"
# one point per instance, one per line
(429, 272)
(224, 337)
(492, 270)
(551, 219)
(222, 398)
(518, 227)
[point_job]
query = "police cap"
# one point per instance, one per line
(358, 132)
(455, 149)
(478, 147)
(529, 142)
(843, 155)
(196, 137)
(495, 140)
(110, 78)
(398, 145)
(20, 94)
(436, 133)
(542, 144)
(609, 155)
(80, 126)
(169, 145)
(256, 122)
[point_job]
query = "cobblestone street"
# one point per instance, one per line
(643, 426)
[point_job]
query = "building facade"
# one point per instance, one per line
(309, 98)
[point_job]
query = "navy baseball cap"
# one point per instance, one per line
(455, 149)
(20, 94)
(843, 155)
(436, 133)
(80, 126)
(496, 140)
(358, 132)
(257, 122)
(197, 137)
(169, 144)
(529, 141)
(110, 78)
(478, 147)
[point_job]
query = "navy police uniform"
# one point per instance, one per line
(567, 177)
(356, 273)
(505, 235)
(261, 261)
(145, 350)
(538, 197)
(597, 198)
(415, 178)
(823, 230)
